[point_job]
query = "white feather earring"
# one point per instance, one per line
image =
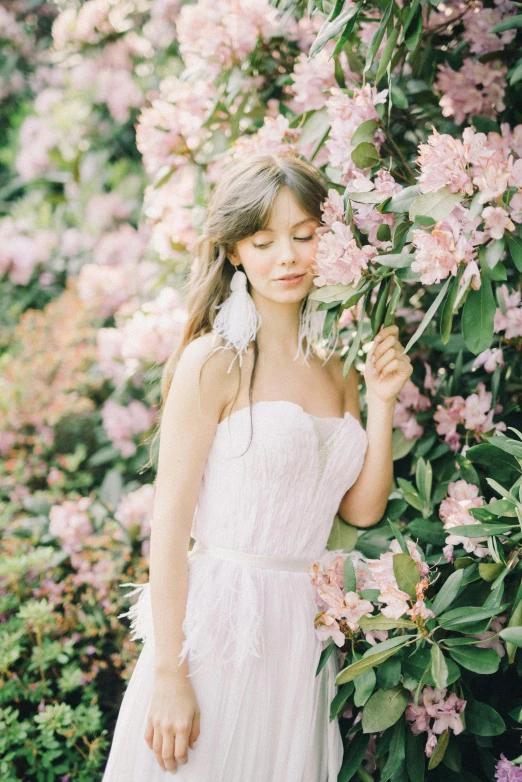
(311, 325)
(238, 320)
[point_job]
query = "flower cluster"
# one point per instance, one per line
(122, 423)
(396, 602)
(436, 712)
(473, 413)
(454, 512)
(410, 401)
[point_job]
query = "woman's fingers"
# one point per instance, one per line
(384, 345)
(194, 733)
(386, 332)
(149, 732)
(157, 744)
(381, 362)
(399, 364)
(181, 751)
(167, 751)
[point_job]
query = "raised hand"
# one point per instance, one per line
(387, 368)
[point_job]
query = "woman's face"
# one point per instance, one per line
(287, 246)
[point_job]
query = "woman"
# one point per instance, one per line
(256, 458)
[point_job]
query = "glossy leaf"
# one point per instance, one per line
(384, 708)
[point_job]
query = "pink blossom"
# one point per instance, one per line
(410, 400)
(122, 246)
(497, 221)
(444, 160)
(338, 259)
(104, 208)
(22, 250)
(444, 711)
(508, 316)
(505, 771)
(134, 511)
(454, 512)
(333, 208)
(346, 114)
(123, 422)
(439, 252)
(477, 88)
(71, 523)
(490, 359)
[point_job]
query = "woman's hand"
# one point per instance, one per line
(172, 721)
(387, 368)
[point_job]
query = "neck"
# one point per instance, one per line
(278, 333)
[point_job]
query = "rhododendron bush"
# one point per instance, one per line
(117, 119)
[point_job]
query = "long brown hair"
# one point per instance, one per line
(239, 206)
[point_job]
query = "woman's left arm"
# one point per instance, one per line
(387, 370)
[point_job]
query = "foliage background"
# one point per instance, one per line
(116, 119)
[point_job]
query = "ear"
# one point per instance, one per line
(232, 255)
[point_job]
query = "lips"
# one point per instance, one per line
(290, 276)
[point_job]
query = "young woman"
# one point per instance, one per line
(256, 458)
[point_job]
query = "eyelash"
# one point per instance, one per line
(262, 246)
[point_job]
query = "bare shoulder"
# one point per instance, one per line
(348, 386)
(202, 373)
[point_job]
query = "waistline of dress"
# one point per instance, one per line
(255, 560)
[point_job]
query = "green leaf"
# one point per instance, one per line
(325, 654)
(448, 592)
(458, 618)
(350, 582)
(330, 30)
(387, 52)
(366, 197)
(513, 635)
(401, 201)
(332, 293)
(353, 757)
(428, 317)
(377, 37)
(365, 132)
(483, 720)
(483, 661)
(438, 205)
(510, 23)
(406, 574)
(490, 570)
(415, 757)
(428, 531)
(439, 669)
(515, 621)
(485, 530)
(396, 753)
(356, 341)
(340, 699)
(424, 477)
(440, 750)
(365, 155)
(381, 622)
(477, 318)
(446, 319)
(389, 673)
(384, 708)
(342, 536)
(372, 657)
(399, 537)
(364, 686)
(507, 445)
(515, 249)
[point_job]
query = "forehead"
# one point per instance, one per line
(286, 211)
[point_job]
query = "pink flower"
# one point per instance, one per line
(497, 221)
(508, 316)
(445, 713)
(506, 771)
(354, 608)
(71, 523)
(135, 510)
(477, 88)
(122, 423)
(454, 512)
(338, 258)
(439, 252)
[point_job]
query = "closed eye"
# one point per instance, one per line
(298, 239)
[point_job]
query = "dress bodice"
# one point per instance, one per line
(278, 495)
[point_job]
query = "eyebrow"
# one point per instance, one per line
(301, 222)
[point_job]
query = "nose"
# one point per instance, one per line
(288, 254)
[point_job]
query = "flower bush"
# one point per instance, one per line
(117, 120)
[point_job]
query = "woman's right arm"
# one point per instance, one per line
(187, 430)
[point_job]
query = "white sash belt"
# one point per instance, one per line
(256, 560)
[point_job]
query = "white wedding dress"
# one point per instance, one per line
(261, 520)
